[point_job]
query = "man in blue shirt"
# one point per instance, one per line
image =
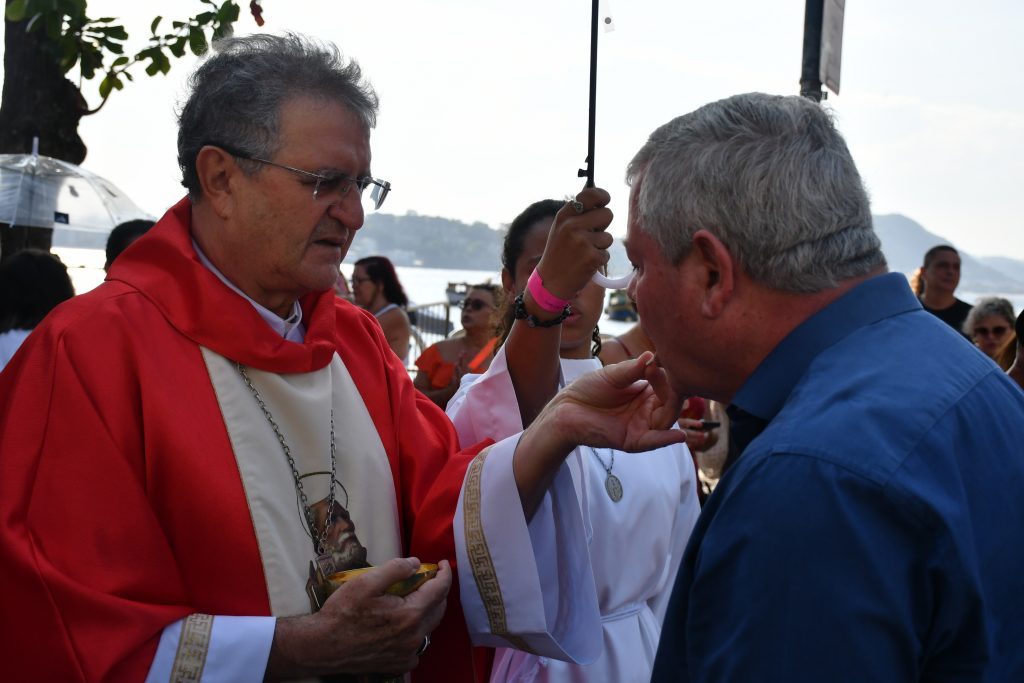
(868, 527)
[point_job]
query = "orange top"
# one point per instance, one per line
(438, 370)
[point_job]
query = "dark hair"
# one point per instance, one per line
(512, 250)
(382, 271)
(32, 283)
(1019, 326)
(123, 235)
(239, 90)
(512, 246)
(930, 255)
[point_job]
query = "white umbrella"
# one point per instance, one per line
(43, 192)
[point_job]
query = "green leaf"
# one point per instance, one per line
(120, 61)
(115, 48)
(153, 69)
(16, 10)
(204, 18)
(178, 47)
(73, 8)
(152, 27)
(197, 41)
(115, 32)
(105, 85)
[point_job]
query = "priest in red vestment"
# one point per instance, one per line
(173, 440)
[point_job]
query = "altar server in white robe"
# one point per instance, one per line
(520, 570)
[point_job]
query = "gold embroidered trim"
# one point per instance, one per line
(484, 574)
(193, 646)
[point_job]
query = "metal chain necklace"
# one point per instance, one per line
(319, 540)
(612, 484)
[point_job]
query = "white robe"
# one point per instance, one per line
(579, 593)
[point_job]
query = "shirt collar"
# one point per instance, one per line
(766, 390)
(290, 328)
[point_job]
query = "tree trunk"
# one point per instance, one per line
(38, 101)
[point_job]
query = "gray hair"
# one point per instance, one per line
(238, 92)
(772, 178)
(992, 305)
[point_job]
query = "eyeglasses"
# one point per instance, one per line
(356, 280)
(474, 304)
(997, 331)
(328, 188)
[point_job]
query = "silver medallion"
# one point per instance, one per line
(614, 487)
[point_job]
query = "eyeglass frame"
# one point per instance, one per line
(361, 182)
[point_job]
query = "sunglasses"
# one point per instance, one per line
(997, 331)
(474, 304)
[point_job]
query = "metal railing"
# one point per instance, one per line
(430, 324)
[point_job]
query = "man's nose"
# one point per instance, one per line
(348, 211)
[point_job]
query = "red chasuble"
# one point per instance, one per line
(121, 505)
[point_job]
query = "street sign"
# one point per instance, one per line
(831, 43)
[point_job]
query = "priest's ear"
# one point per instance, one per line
(217, 172)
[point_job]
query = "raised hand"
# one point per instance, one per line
(629, 406)
(361, 628)
(577, 245)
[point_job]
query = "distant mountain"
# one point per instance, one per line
(1007, 266)
(905, 241)
(434, 242)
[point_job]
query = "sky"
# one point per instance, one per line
(484, 104)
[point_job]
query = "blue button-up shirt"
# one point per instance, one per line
(873, 531)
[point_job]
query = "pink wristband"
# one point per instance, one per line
(544, 298)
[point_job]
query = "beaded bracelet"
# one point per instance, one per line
(520, 312)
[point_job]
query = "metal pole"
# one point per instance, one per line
(589, 171)
(810, 79)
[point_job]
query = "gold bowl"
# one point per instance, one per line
(400, 588)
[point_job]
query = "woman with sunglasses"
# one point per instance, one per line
(376, 288)
(442, 365)
(635, 510)
(988, 324)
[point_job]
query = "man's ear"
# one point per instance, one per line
(718, 271)
(215, 169)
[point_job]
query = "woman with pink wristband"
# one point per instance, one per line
(636, 510)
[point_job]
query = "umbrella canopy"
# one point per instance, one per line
(42, 192)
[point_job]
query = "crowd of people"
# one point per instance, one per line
(228, 433)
